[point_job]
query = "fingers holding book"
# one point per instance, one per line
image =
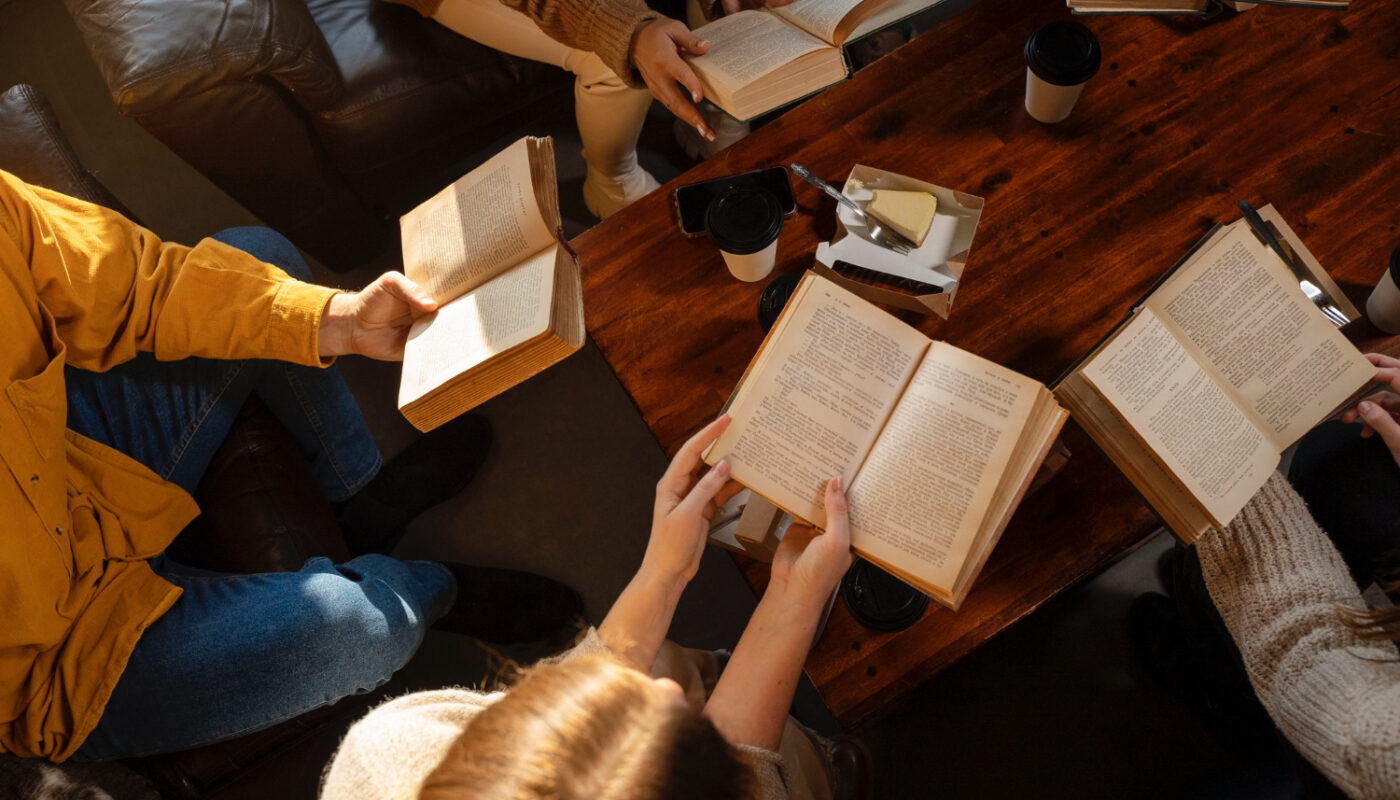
(373, 322)
(1379, 413)
(656, 53)
(812, 563)
(686, 501)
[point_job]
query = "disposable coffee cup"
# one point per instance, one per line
(743, 222)
(1061, 56)
(1383, 306)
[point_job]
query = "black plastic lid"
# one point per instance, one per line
(1063, 52)
(1395, 265)
(880, 601)
(743, 220)
(775, 295)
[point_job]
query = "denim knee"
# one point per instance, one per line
(375, 611)
(268, 245)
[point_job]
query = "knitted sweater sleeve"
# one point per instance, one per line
(604, 27)
(1277, 581)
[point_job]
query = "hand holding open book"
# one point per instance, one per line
(762, 59)
(373, 322)
(936, 445)
(1223, 366)
(510, 299)
(1379, 414)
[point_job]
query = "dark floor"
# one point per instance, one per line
(1054, 707)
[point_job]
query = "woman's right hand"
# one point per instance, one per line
(658, 52)
(1380, 412)
(808, 564)
(751, 701)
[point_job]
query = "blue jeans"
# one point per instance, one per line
(237, 653)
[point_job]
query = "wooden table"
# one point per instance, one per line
(1299, 108)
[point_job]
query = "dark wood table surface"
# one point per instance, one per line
(1295, 107)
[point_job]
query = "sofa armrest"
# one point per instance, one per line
(155, 52)
(34, 149)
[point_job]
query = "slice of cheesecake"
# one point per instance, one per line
(910, 213)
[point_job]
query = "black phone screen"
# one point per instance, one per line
(693, 198)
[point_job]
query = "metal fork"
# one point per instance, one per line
(885, 237)
(1319, 298)
(1330, 311)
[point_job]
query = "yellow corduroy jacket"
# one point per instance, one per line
(84, 286)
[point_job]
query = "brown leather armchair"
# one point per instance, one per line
(325, 118)
(261, 511)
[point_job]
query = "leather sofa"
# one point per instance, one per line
(261, 512)
(327, 119)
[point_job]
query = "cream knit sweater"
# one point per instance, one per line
(388, 754)
(1277, 581)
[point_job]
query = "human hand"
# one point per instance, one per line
(808, 564)
(656, 53)
(684, 507)
(374, 321)
(1380, 412)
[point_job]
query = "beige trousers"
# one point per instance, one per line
(609, 113)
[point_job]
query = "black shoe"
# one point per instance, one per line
(1159, 645)
(435, 468)
(1173, 567)
(507, 606)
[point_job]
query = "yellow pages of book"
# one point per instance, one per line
(510, 295)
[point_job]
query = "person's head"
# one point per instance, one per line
(590, 728)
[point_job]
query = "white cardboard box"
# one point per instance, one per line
(939, 261)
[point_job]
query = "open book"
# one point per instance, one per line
(1210, 378)
(509, 293)
(1186, 6)
(762, 59)
(936, 445)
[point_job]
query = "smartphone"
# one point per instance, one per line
(693, 198)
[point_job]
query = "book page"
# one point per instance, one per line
(817, 396)
(1239, 308)
(921, 497)
(886, 16)
(478, 325)
(1182, 416)
(830, 20)
(818, 17)
(472, 230)
(748, 45)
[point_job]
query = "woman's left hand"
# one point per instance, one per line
(685, 506)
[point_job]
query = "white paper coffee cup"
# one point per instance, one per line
(1061, 57)
(744, 222)
(1048, 102)
(1383, 306)
(752, 266)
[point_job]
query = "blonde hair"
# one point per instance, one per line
(593, 729)
(1376, 624)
